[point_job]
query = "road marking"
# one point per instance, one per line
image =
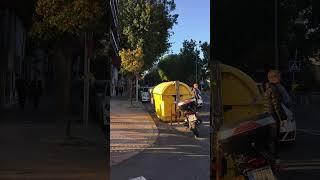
(301, 168)
(300, 164)
(309, 130)
(138, 178)
(313, 132)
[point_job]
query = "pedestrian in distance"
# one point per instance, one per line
(36, 91)
(117, 89)
(121, 87)
(21, 89)
(272, 104)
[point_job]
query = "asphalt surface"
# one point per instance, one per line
(176, 154)
(304, 155)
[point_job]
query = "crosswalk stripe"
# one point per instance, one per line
(299, 165)
(301, 168)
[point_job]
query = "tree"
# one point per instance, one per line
(147, 24)
(152, 78)
(182, 66)
(205, 48)
(190, 60)
(169, 68)
(59, 26)
(131, 63)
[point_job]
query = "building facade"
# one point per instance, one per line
(114, 45)
(13, 36)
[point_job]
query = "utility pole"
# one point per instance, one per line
(216, 116)
(137, 88)
(197, 70)
(276, 50)
(86, 83)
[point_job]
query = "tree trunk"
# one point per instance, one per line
(137, 89)
(130, 93)
(63, 85)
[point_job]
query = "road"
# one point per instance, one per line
(304, 154)
(175, 155)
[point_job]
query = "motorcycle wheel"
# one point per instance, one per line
(194, 129)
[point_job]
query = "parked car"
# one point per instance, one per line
(144, 94)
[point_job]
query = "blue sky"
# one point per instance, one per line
(193, 22)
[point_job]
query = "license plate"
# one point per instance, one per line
(192, 117)
(264, 173)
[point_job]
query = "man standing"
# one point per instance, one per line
(196, 92)
(272, 102)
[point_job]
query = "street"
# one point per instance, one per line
(176, 154)
(303, 156)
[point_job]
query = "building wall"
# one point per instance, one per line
(12, 40)
(114, 44)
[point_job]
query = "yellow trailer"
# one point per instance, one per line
(165, 97)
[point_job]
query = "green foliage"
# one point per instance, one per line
(146, 24)
(169, 68)
(55, 20)
(131, 61)
(205, 70)
(182, 66)
(153, 77)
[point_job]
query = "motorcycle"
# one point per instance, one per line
(250, 145)
(188, 107)
(254, 165)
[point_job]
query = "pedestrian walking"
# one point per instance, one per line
(36, 91)
(21, 89)
(117, 89)
(272, 104)
(121, 87)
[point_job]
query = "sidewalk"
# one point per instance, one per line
(34, 146)
(131, 130)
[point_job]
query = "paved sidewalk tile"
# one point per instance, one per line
(34, 146)
(131, 130)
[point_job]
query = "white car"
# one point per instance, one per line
(144, 94)
(288, 128)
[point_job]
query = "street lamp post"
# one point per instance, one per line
(196, 70)
(276, 34)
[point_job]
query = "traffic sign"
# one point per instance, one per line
(294, 66)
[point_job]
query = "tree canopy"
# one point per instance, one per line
(182, 66)
(147, 24)
(131, 60)
(56, 21)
